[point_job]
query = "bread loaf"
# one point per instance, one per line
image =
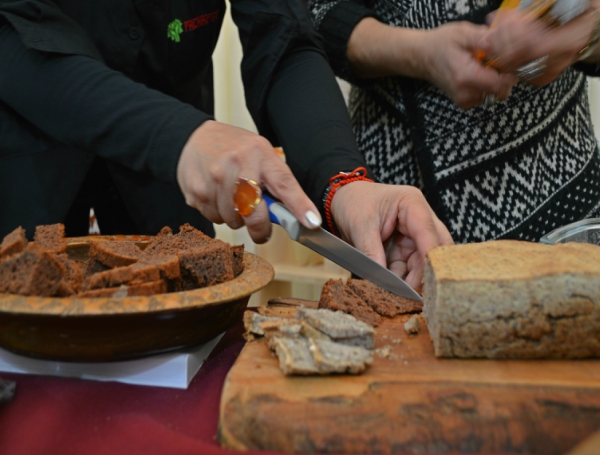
(513, 299)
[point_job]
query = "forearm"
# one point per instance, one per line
(79, 101)
(376, 49)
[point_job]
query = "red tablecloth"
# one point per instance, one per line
(52, 415)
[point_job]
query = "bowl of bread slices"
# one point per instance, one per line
(106, 298)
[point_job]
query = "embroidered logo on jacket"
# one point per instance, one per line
(176, 27)
(174, 30)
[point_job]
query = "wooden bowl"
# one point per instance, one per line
(122, 328)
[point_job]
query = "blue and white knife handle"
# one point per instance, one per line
(279, 214)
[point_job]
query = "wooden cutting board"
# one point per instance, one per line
(409, 401)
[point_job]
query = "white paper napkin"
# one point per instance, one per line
(175, 369)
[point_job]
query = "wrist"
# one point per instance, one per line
(336, 182)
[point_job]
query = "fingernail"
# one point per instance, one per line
(313, 219)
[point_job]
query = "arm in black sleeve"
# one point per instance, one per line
(335, 20)
(292, 93)
(308, 113)
(78, 101)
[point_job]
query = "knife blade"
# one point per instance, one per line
(338, 251)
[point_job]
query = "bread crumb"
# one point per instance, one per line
(412, 326)
(384, 351)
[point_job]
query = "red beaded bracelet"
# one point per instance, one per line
(341, 179)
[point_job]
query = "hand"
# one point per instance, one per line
(450, 64)
(214, 157)
(517, 39)
(392, 224)
(444, 56)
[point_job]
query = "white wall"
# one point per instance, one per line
(230, 106)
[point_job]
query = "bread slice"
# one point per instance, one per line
(74, 276)
(238, 259)
(260, 325)
(169, 268)
(332, 357)
(206, 265)
(303, 356)
(256, 323)
(340, 327)
(167, 243)
(383, 302)
(31, 272)
(294, 355)
(132, 274)
(513, 299)
(338, 297)
(302, 346)
(114, 254)
(94, 266)
(51, 237)
(13, 243)
(127, 290)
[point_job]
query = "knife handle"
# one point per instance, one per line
(279, 214)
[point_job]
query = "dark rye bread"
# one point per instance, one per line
(94, 266)
(170, 258)
(382, 301)
(127, 290)
(114, 254)
(31, 272)
(238, 259)
(169, 268)
(167, 243)
(74, 276)
(188, 231)
(207, 265)
(13, 243)
(132, 274)
(336, 296)
(513, 299)
(186, 244)
(51, 237)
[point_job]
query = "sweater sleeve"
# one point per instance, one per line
(335, 20)
(78, 101)
(589, 69)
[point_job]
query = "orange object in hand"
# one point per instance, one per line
(537, 8)
(247, 196)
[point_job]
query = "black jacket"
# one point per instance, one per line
(129, 81)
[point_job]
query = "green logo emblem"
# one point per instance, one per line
(175, 29)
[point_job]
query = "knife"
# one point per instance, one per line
(338, 251)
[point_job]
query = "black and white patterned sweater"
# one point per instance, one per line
(517, 169)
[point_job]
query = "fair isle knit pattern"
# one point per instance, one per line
(517, 169)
